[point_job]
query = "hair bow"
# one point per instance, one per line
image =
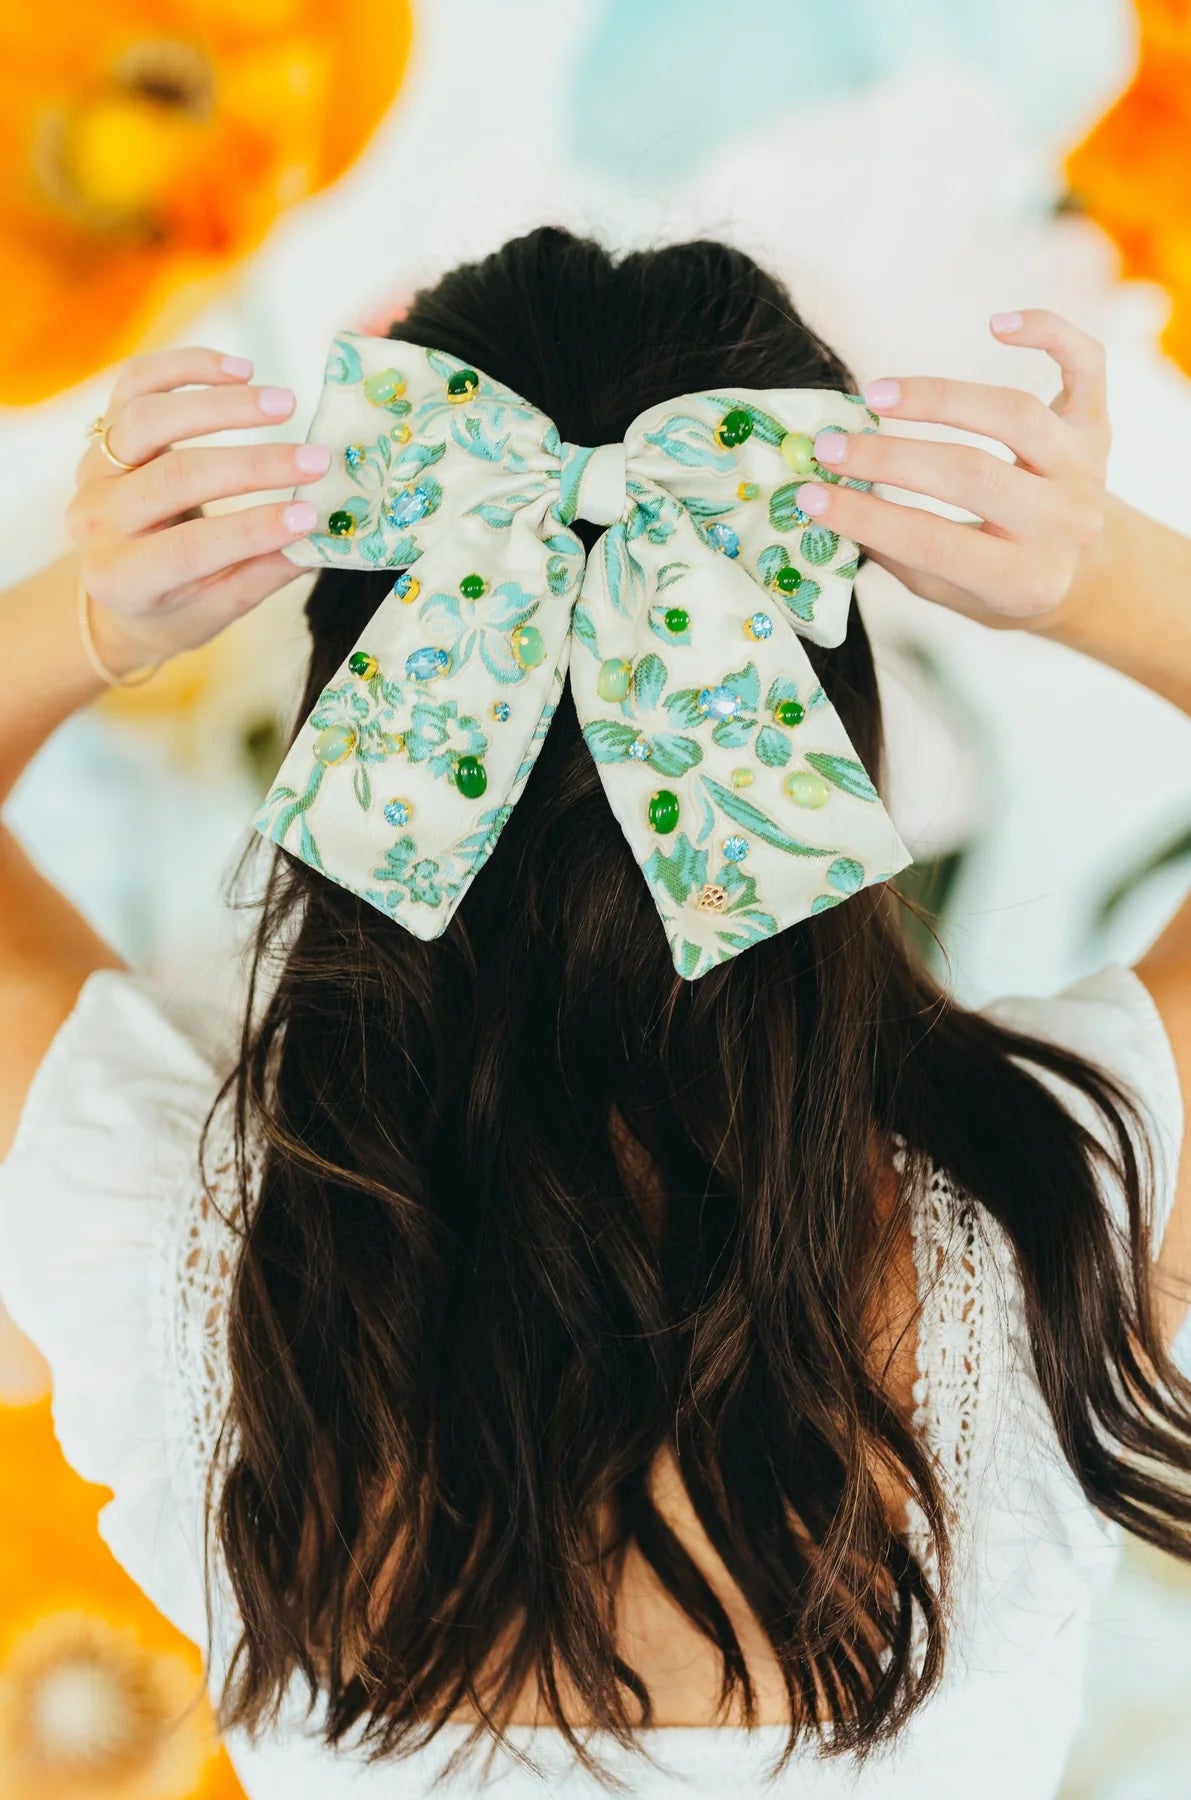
(729, 771)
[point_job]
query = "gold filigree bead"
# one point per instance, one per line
(712, 899)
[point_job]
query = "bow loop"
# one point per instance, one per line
(592, 483)
(728, 769)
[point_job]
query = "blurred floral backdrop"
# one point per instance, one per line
(148, 148)
(254, 175)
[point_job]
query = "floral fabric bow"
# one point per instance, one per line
(729, 771)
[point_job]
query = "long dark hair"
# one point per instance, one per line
(460, 1337)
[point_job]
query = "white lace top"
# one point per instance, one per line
(115, 1265)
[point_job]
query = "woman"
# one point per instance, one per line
(653, 1379)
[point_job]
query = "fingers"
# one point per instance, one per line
(156, 375)
(1080, 356)
(158, 371)
(1016, 579)
(1036, 435)
(176, 577)
(996, 490)
(1037, 514)
(150, 423)
(151, 637)
(181, 480)
(162, 568)
(1039, 436)
(228, 596)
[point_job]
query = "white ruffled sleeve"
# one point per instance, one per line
(1110, 1019)
(98, 1198)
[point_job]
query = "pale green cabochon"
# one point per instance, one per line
(728, 769)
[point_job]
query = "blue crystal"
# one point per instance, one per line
(500, 711)
(426, 663)
(402, 584)
(397, 812)
(719, 702)
(722, 537)
(407, 507)
(639, 751)
(760, 625)
(354, 455)
(735, 848)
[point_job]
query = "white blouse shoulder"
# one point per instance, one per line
(1110, 1019)
(114, 1262)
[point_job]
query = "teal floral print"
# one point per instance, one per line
(370, 713)
(652, 516)
(487, 633)
(725, 763)
(439, 734)
(410, 876)
(391, 490)
(752, 723)
(689, 441)
(711, 935)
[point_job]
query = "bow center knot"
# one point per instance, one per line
(593, 483)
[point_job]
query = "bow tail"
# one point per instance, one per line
(400, 781)
(730, 772)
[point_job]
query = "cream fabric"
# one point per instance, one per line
(732, 777)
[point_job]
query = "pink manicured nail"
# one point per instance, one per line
(276, 402)
(831, 447)
(1004, 323)
(299, 517)
(239, 366)
(813, 499)
(313, 459)
(883, 393)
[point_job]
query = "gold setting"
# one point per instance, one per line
(713, 899)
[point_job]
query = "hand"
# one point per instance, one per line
(161, 576)
(1037, 516)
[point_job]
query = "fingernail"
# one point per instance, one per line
(813, 499)
(883, 393)
(1004, 323)
(275, 401)
(831, 447)
(313, 459)
(239, 366)
(299, 517)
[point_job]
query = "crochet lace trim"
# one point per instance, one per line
(206, 1266)
(952, 1254)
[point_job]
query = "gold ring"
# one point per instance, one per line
(99, 430)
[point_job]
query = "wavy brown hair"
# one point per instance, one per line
(459, 1338)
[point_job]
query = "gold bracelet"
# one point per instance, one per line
(137, 678)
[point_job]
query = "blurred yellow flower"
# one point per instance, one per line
(100, 1699)
(147, 145)
(1131, 172)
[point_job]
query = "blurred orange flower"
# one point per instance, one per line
(1131, 173)
(100, 1699)
(146, 145)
